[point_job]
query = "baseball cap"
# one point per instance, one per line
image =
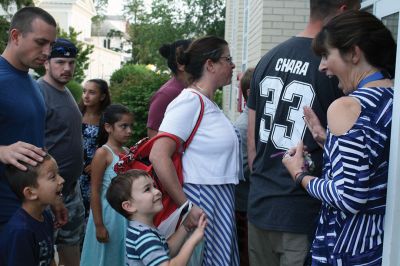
(63, 48)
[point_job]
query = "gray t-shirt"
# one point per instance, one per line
(63, 133)
(242, 189)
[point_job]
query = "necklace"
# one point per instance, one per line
(203, 91)
(373, 77)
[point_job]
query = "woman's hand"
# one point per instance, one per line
(314, 125)
(193, 218)
(293, 160)
(101, 234)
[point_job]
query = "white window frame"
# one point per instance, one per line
(391, 245)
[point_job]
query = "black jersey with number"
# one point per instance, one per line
(285, 80)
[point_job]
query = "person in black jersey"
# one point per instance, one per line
(282, 217)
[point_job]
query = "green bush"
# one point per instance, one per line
(76, 89)
(129, 71)
(218, 97)
(4, 26)
(133, 86)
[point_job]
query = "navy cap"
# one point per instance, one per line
(63, 48)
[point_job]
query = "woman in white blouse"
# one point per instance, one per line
(211, 161)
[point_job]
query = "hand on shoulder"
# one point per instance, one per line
(342, 114)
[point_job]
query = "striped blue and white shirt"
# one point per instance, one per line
(353, 187)
(145, 245)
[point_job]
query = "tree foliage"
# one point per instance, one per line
(4, 26)
(206, 17)
(101, 8)
(76, 89)
(133, 85)
(170, 20)
(19, 3)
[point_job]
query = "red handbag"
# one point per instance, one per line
(138, 158)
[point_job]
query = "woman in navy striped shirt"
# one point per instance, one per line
(360, 51)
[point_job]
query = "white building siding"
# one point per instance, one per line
(103, 62)
(269, 23)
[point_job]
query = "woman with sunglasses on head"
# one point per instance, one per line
(95, 99)
(211, 161)
(360, 51)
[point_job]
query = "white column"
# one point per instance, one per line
(391, 245)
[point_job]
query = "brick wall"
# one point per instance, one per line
(269, 23)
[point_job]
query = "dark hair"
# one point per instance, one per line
(198, 52)
(112, 114)
(364, 30)
(120, 189)
(19, 179)
(245, 81)
(22, 20)
(322, 9)
(168, 51)
(103, 87)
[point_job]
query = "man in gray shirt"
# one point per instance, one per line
(63, 140)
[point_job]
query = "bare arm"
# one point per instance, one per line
(177, 239)
(160, 157)
(151, 132)
(21, 151)
(99, 163)
(251, 143)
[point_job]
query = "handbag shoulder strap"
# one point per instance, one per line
(197, 123)
(175, 138)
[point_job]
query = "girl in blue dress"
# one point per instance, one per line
(104, 242)
(95, 98)
(358, 49)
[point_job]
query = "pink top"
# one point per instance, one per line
(160, 101)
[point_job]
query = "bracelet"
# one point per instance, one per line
(299, 178)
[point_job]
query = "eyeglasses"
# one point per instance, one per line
(228, 59)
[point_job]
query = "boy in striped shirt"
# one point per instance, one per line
(134, 196)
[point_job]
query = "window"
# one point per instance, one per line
(369, 9)
(392, 22)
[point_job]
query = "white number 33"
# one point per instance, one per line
(290, 128)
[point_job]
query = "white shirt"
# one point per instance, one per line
(212, 157)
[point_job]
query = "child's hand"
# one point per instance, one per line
(101, 234)
(198, 233)
(88, 169)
